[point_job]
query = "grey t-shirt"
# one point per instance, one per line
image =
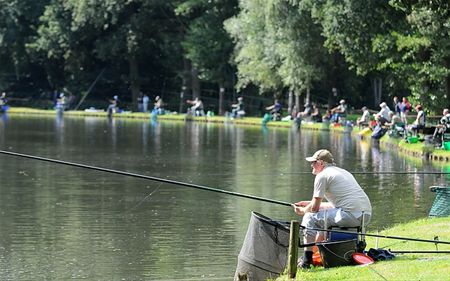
(340, 188)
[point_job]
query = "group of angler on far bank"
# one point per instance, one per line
(375, 123)
(378, 123)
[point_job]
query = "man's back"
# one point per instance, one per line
(341, 189)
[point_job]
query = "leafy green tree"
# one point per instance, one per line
(206, 43)
(418, 51)
(255, 50)
(51, 47)
(18, 22)
(299, 45)
(122, 32)
(76, 39)
(279, 45)
(349, 28)
(404, 42)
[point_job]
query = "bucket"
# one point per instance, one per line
(337, 253)
(447, 145)
(317, 260)
(413, 139)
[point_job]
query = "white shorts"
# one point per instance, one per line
(334, 217)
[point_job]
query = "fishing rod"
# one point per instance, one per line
(389, 173)
(145, 177)
(380, 236)
(90, 89)
(419, 252)
(354, 172)
(203, 188)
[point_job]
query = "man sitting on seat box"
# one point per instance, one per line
(346, 206)
(442, 128)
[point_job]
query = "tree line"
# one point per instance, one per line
(297, 50)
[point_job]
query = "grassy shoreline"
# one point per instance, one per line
(403, 266)
(416, 150)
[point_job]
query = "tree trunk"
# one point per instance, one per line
(447, 89)
(377, 90)
(19, 57)
(447, 83)
(380, 89)
(290, 102)
(308, 96)
(195, 83)
(297, 103)
(134, 80)
(16, 67)
(332, 95)
(186, 82)
(221, 99)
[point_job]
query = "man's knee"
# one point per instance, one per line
(307, 220)
(310, 222)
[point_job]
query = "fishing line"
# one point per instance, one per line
(393, 244)
(376, 272)
(146, 177)
(309, 173)
(140, 202)
(380, 236)
(145, 198)
(397, 173)
(418, 252)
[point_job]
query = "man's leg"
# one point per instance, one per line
(312, 222)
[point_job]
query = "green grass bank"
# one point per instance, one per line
(423, 267)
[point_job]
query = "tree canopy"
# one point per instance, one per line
(330, 49)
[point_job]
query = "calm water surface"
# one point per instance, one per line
(59, 222)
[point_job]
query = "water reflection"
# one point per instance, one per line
(154, 139)
(265, 133)
(363, 151)
(3, 123)
(113, 127)
(59, 129)
(4, 117)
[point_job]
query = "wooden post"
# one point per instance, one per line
(293, 248)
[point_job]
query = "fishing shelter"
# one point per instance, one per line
(265, 249)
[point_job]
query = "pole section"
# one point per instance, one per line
(293, 248)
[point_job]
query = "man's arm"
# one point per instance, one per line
(312, 207)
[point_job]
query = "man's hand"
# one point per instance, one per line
(298, 210)
(303, 207)
(302, 203)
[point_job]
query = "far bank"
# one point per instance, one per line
(419, 150)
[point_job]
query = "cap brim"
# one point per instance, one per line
(310, 159)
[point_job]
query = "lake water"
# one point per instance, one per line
(60, 222)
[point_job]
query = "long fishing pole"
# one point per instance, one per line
(145, 177)
(419, 252)
(381, 236)
(203, 188)
(90, 89)
(354, 172)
